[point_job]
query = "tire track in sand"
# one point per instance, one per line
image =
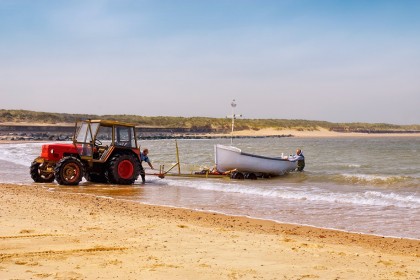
(60, 252)
(28, 236)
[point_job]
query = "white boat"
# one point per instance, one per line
(229, 158)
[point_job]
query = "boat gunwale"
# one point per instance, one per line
(264, 157)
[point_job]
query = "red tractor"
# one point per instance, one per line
(102, 151)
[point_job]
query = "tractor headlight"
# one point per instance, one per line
(52, 151)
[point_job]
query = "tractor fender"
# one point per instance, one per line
(39, 160)
(114, 151)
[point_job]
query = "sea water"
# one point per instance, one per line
(367, 185)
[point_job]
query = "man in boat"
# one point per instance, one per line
(144, 157)
(300, 158)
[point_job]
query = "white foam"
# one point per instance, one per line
(369, 178)
(21, 154)
(394, 197)
(309, 193)
(354, 165)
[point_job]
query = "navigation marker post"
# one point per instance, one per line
(233, 116)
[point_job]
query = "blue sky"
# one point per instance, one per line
(340, 61)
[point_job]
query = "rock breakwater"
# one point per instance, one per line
(65, 133)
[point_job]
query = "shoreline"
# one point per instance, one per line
(58, 234)
(272, 221)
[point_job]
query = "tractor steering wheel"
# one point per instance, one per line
(98, 143)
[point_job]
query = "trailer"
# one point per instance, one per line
(206, 173)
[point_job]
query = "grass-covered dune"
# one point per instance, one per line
(201, 123)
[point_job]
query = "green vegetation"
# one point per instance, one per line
(201, 123)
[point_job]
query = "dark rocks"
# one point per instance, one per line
(65, 133)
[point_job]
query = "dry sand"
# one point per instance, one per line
(321, 132)
(56, 235)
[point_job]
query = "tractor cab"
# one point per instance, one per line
(102, 151)
(95, 140)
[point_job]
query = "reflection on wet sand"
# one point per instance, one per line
(113, 191)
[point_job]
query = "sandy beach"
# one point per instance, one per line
(321, 132)
(56, 235)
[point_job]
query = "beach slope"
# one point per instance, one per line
(55, 235)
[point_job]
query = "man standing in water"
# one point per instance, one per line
(300, 158)
(144, 157)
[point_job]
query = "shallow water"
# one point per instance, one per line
(367, 185)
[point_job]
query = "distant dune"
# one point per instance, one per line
(16, 120)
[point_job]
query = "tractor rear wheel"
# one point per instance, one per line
(124, 169)
(39, 174)
(69, 171)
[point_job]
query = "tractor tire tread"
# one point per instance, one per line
(112, 173)
(57, 171)
(34, 171)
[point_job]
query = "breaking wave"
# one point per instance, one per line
(312, 194)
(21, 154)
(361, 179)
(372, 179)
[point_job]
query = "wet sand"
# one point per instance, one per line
(55, 235)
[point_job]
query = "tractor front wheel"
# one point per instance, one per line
(39, 173)
(69, 171)
(124, 169)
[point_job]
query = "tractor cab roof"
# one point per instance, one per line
(110, 123)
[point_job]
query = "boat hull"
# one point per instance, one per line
(229, 158)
